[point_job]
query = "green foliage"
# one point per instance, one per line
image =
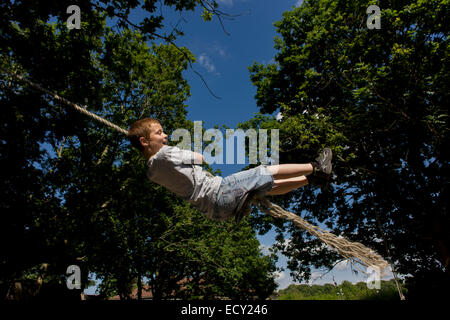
(344, 291)
(379, 100)
(206, 15)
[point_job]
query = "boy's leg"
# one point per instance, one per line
(282, 186)
(290, 170)
(319, 170)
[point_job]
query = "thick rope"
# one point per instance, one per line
(67, 102)
(353, 251)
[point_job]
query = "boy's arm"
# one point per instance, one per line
(198, 158)
(201, 159)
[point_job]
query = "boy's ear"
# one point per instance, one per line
(143, 141)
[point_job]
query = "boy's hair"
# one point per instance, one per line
(140, 128)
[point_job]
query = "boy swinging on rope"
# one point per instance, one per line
(219, 198)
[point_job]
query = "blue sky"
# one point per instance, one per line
(223, 61)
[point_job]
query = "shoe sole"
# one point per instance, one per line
(328, 155)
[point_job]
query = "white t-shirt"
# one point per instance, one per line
(174, 169)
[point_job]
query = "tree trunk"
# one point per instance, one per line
(139, 287)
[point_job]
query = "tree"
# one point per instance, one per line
(379, 99)
(74, 191)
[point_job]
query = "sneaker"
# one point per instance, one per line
(321, 168)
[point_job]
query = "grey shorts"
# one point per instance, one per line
(235, 187)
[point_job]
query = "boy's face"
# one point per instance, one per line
(157, 138)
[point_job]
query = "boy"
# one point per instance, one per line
(218, 198)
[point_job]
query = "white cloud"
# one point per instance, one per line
(279, 116)
(280, 275)
(343, 265)
(299, 3)
(217, 48)
(207, 63)
(264, 249)
(283, 280)
(318, 278)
